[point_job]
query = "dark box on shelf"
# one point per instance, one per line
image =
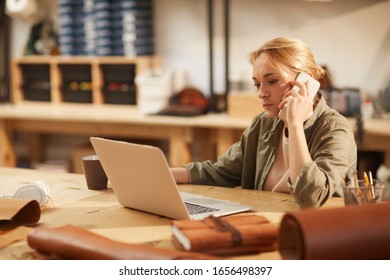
(77, 96)
(36, 82)
(119, 96)
(118, 73)
(32, 94)
(35, 72)
(75, 72)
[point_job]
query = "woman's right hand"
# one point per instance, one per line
(180, 174)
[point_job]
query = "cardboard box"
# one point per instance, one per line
(77, 154)
(243, 105)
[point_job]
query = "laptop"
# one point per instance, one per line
(141, 179)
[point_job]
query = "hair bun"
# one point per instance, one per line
(319, 72)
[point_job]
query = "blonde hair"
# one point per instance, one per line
(293, 54)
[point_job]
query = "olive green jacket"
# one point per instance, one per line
(331, 144)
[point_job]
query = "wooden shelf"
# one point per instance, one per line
(48, 76)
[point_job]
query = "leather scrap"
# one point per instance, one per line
(12, 235)
(15, 211)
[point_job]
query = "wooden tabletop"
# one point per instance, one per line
(130, 114)
(128, 121)
(99, 211)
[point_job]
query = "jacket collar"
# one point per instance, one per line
(318, 110)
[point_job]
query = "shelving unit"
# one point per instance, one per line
(94, 80)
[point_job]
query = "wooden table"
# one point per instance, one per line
(99, 211)
(37, 118)
(126, 121)
(90, 120)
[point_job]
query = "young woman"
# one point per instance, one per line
(307, 154)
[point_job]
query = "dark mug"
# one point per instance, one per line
(94, 173)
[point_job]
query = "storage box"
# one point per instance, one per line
(35, 72)
(75, 72)
(32, 94)
(77, 96)
(127, 96)
(36, 82)
(154, 89)
(243, 105)
(118, 73)
(77, 154)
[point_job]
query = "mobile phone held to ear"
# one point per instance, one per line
(314, 85)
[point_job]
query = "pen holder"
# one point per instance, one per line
(363, 194)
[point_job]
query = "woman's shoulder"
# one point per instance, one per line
(334, 119)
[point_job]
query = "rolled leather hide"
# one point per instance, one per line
(352, 232)
(71, 242)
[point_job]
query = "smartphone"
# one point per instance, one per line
(314, 86)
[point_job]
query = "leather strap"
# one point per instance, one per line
(223, 225)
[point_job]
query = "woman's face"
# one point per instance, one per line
(271, 84)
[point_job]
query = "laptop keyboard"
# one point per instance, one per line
(199, 209)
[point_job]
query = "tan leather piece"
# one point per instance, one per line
(71, 242)
(353, 232)
(15, 211)
(11, 235)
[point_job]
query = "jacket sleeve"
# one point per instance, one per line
(227, 170)
(333, 150)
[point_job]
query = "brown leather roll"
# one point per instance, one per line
(225, 235)
(353, 232)
(70, 242)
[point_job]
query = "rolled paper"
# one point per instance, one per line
(353, 232)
